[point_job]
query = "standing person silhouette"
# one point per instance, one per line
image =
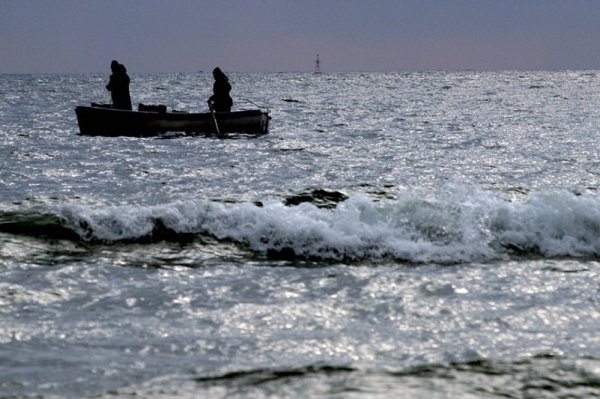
(220, 100)
(118, 85)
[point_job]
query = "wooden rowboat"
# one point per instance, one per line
(103, 120)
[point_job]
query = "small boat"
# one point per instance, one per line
(154, 120)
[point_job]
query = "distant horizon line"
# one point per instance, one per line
(321, 73)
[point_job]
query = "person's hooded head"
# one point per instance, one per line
(114, 66)
(218, 74)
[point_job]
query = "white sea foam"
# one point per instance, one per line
(457, 224)
(554, 222)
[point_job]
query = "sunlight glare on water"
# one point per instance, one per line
(429, 234)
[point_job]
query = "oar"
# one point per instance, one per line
(212, 111)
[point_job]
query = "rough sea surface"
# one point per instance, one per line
(419, 235)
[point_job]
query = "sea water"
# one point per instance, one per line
(422, 235)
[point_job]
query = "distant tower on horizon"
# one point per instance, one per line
(317, 66)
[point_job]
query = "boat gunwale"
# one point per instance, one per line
(153, 123)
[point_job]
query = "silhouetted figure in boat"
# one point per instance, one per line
(118, 86)
(220, 100)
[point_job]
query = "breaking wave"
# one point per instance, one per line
(452, 226)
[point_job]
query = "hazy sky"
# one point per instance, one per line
(285, 35)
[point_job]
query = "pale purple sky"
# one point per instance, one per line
(285, 35)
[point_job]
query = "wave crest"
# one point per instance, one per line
(452, 226)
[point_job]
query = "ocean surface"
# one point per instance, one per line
(418, 235)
